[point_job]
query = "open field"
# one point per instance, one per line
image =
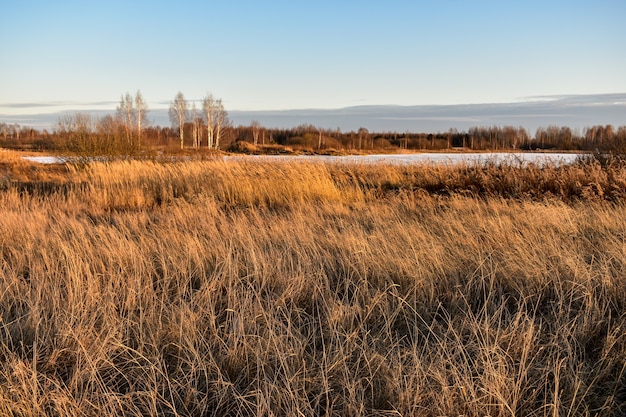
(304, 289)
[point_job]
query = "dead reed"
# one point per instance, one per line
(241, 288)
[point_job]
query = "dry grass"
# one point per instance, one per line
(236, 288)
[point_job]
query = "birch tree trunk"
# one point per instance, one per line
(208, 107)
(256, 129)
(179, 114)
(126, 113)
(221, 121)
(141, 109)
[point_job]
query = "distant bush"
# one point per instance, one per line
(242, 146)
(275, 149)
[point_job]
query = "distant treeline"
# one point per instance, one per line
(127, 132)
(601, 138)
(104, 136)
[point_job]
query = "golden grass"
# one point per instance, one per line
(242, 288)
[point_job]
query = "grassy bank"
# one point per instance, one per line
(237, 288)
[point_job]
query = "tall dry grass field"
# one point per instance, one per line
(298, 289)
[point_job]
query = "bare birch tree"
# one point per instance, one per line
(221, 117)
(216, 119)
(141, 113)
(320, 137)
(256, 129)
(208, 107)
(363, 136)
(196, 122)
(126, 113)
(132, 115)
(179, 114)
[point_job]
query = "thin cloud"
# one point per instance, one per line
(56, 104)
(431, 118)
(32, 105)
(579, 99)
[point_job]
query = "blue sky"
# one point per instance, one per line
(277, 55)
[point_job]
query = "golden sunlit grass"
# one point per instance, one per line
(243, 288)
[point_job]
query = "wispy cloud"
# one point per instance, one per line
(31, 105)
(45, 114)
(580, 99)
(56, 104)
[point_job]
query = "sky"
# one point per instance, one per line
(294, 54)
